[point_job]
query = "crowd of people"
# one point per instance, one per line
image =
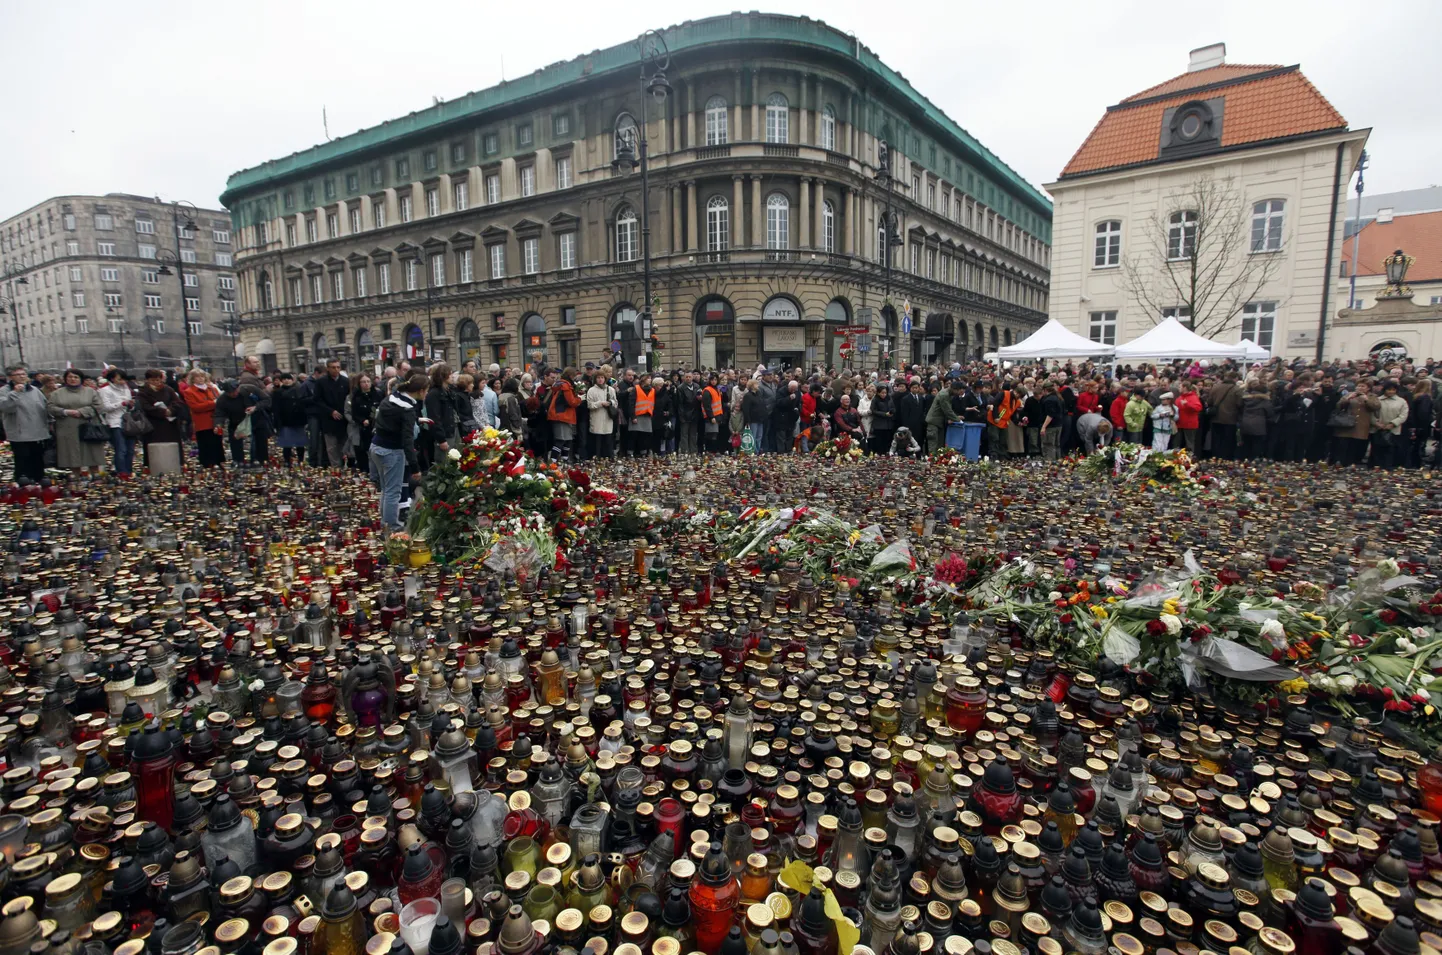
(395, 425)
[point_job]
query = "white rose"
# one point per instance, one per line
(1054, 595)
(1275, 633)
(454, 454)
(1346, 683)
(1172, 622)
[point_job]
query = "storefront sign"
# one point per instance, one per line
(784, 339)
(781, 310)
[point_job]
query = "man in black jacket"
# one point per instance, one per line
(688, 413)
(911, 410)
(784, 415)
(315, 446)
(328, 395)
(393, 448)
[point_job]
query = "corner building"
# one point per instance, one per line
(495, 226)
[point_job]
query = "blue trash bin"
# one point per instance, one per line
(971, 440)
(956, 436)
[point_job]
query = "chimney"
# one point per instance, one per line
(1206, 57)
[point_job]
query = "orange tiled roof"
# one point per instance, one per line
(1419, 235)
(1262, 103)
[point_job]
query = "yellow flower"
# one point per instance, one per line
(1299, 685)
(1100, 612)
(853, 537)
(490, 434)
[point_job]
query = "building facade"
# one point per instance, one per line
(111, 279)
(497, 226)
(1411, 324)
(1217, 197)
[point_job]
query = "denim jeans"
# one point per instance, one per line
(124, 451)
(388, 471)
(758, 433)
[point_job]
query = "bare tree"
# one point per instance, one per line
(1196, 255)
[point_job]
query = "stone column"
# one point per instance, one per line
(733, 132)
(475, 187)
(367, 213)
(447, 203)
(757, 130)
(848, 220)
(802, 111)
(675, 201)
(691, 137)
(692, 223)
(738, 213)
(802, 213)
(758, 215)
(820, 226)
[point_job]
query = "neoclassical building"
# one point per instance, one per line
(499, 225)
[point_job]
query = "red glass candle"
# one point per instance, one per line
(153, 766)
(670, 818)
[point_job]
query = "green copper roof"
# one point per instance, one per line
(689, 35)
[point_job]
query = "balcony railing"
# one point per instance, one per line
(781, 151)
(621, 268)
(713, 152)
(714, 258)
(781, 255)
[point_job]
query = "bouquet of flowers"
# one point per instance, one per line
(948, 456)
(839, 448)
(1132, 462)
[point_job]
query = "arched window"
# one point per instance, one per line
(624, 322)
(468, 337)
(778, 119)
(320, 350)
(718, 224)
(828, 128)
(1006, 337)
(625, 135)
(628, 232)
(414, 343)
(365, 348)
(828, 226)
(1182, 234)
(961, 336)
(533, 338)
(716, 130)
(778, 221)
(267, 291)
(881, 243)
(993, 338)
(1267, 218)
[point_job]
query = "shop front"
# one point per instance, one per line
(783, 336)
(715, 334)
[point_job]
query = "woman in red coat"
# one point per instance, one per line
(1115, 412)
(1189, 414)
(1087, 402)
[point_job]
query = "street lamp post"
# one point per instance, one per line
(655, 60)
(13, 278)
(177, 208)
(893, 236)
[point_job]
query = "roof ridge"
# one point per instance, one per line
(1214, 84)
(1252, 67)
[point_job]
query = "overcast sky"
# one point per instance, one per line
(170, 98)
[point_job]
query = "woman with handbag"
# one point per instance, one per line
(115, 400)
(1351, 423)
(80, 434)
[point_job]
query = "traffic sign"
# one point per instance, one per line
(853, 329)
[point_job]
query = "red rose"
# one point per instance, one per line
(1387, 692)
(1156, 628)
(1388, 616)
(1066, 618)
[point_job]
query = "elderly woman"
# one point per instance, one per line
(71, 405)
(200, 396)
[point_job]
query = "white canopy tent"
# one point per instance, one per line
(1054, 340)
(1171, 339)
(1255, 352)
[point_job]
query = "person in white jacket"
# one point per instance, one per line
(115, 398)
(603, 406)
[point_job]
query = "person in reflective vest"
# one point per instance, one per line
(642, 418)
(713, 410)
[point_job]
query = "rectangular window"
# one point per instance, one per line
(378, 175)
(145, 251)
(405, 206)
(72, 247)
(413, 275)
(566, 250)
(105, 248)
(493, 189)
(563, 172)
(352, 182)
(915, 259)
(227, 305)
(290, 233)
(225, 283)
(531, 256)
(317, 288)
(192, 280)
(337, 285)
(187, 255)
(358, 281)
(498, 261)
(296, 287)
(310, 229)
(104, 222)
(115, 325)
(221, 236)
(433, 202)
(159, 325)
(383, 278)
(568, 315)
(1182, 313)
(78, 298)
(195, 328)
(1182, 235)
(1108, 248)
(1259, 319)
(186, 232)
(332, 225)
(523, 135)
(491, 143)
(355, 220)
(378, 212)
(931, 195)
(1103, 328)
(465, 265)
(438, 271)
(76, 274)
(82, 325)
(223, 258)
(403, 169)
(1267, 219)
(528, 180)
(458, 153)
(931, 263)
(112, 300)
(110, 275)
(150, 276)
(430, 160)
(69, 222)
(144, 227)
(561, 124)
(461, 195)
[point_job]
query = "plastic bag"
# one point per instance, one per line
(895, 559)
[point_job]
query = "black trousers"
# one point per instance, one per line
(29, 459)
(1224, 440)
(208, 449)
(603, 445)
(237, 450)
